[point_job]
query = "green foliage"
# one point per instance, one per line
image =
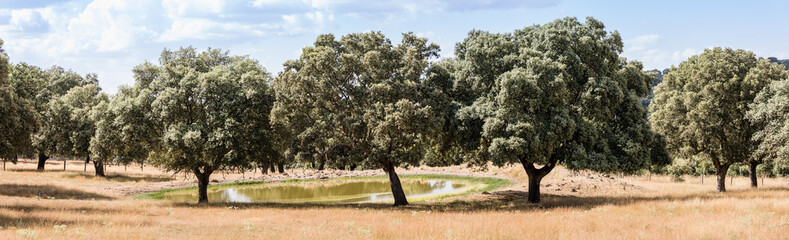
(43, 87)
(700, 107)
(695, 165)
(355, 101)
(770, 112)
(680, 167)
(738, 169)
(198, 112)
(18, 120)
(105, 142)
(554, 94)
(72, 126)
(133, 133)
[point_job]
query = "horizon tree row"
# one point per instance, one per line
(542, 96)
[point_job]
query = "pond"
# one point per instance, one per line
(329, 191)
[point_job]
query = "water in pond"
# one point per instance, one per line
(328, 191)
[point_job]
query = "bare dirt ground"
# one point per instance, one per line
(73, 204)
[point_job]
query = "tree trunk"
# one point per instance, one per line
(264, 169)
(281, 167)
(321, 164)
(87, 160)
(64, 164)
(202, 183)
(394, 182)
(99, 165)
(42, 160)
(535, 176)
(721, 171)
(752, 171)
(534, 188)
(273, 168)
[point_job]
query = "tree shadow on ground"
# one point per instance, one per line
(513, 200)
(48, 191)
(22, 215)
(30, 221)
(121, 177)
(31, 208)
(35, 170)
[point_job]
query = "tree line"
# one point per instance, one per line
(545, 95)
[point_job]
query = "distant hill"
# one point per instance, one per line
(658, 79)
(784, 62)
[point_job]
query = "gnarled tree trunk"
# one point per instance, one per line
(202, 182)
(99, 165)
(394, 182)
(42, 161)
(721, 172)
(752, 172)
(281, 167)
(535, 176)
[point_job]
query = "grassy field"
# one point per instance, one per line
(72, 204)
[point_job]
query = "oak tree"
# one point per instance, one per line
(770, 113)
(204, 112)
(18, 121)
(40, 87)
(72, 126)
(700, 107)
(356, 101)
(554, 94)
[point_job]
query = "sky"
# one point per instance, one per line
(110, 37)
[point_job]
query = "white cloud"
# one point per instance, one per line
(110, 36)
(679, 56)
(178, 8)
(641, 42)
(649, 50)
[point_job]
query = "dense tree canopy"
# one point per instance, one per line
(18, 120)
(770, 112)
(554, 94)
(40, 87)
(356, 101)
(203, 112)
(700, 106)
(72, 126)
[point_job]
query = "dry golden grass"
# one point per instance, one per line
(89, 208)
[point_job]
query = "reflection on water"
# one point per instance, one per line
(329, 192)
